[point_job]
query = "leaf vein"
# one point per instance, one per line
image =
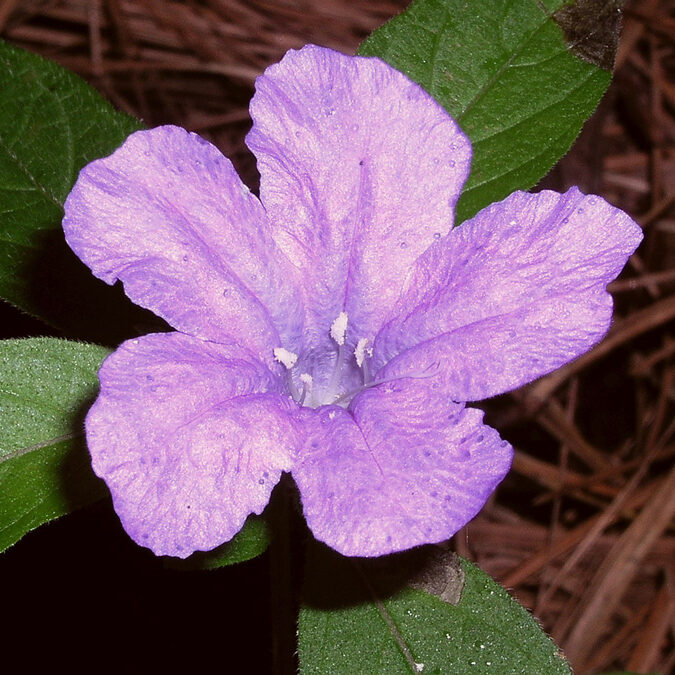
(29, 175)
(535, 113)
(498, 73)
(20, 452)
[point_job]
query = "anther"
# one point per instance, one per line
(288, 359)
(338, 328)
(362, 351)
(285, 357)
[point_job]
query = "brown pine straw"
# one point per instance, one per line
(582, 529)
(612, 579)
(657, 627)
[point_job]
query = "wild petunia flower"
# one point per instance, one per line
(333, 328)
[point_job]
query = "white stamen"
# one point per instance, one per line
(362, 351)
(285, 357)
(338, 328)
(429, 371)
(307, 382)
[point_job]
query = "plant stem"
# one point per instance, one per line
(283, 609)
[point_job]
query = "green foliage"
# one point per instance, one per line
(46, 386)
(361, 616)
(250, 542)
(52, 124)
(506, 72)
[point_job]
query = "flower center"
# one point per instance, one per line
(338, 387)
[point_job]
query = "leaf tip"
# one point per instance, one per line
(591, 29)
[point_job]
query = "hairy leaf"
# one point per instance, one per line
(46, 386)
(51, 124)
(363, 616)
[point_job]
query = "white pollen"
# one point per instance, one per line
(362, 351)
(307, 380)
(285, 357)
(338, 329)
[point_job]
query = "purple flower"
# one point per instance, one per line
(334, 327)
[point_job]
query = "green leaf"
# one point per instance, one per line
(509, 74)
(250, 542)
(362, 616)
(51, 124)
(46, 386)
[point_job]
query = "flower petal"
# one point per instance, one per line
(510, 295)
(403, 466)
(360, 171)
(167, 214)
(190, 437)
